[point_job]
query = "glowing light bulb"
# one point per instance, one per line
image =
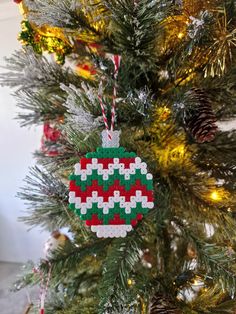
(130, 282)
(180, 35)
(215, 196)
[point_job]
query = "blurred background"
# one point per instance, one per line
(17, 145)
(18, 245)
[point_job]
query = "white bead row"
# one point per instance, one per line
(111, 231)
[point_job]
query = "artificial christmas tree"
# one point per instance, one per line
(173, 81)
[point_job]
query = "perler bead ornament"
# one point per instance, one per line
(111, 189)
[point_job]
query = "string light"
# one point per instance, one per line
(130, 282)
(180, 35)
(215, 196)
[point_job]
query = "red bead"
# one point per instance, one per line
(94, 221)
(84, 162)
(117, 220)
(105, 162)
(127, 162)
(134, 222)
(139, 216)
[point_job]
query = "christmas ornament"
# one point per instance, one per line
(51, 135)
(147, 259)
(162, 304)
(49, 39)
(86, 70)
(54, 242)
(111, 189)
(191, 251)
(199, 117)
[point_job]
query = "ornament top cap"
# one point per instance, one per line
(113, 142)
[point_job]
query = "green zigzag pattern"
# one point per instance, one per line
(110, 182)
(112, 211)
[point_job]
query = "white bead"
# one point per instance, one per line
(71, 197)
(127, 176)
(83, 177)
(83, 211)
(143, 170)
(100, 166)
(111, 205)
(105, 176)
(100, 204)
(116, 199)
(129, 228)
(150, 205)
(78, 202)
(132, 166)
(145, 204)
(110, 171)
(105, 210)
(94, 161)
(88, 167)
(89, 172)
(122, 199)
(121, 171)
(143, 165)
(113, 142)
(110, 199)
(138, 160)
(133, 204)
(77, 166)
(144, 198)
(127, 210)
(116, 161)
(149, 176)
(77, 169)
(83, 208)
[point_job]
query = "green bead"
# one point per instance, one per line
(72, 176)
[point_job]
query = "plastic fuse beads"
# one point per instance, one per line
(111, 190)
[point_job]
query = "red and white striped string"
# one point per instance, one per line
(43, 287)
(116, 60)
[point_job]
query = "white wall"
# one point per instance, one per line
(16, 147)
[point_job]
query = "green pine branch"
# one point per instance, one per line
(36, 107)
(119, 264)
(28, 70)
(214, 259)
(46, 198)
